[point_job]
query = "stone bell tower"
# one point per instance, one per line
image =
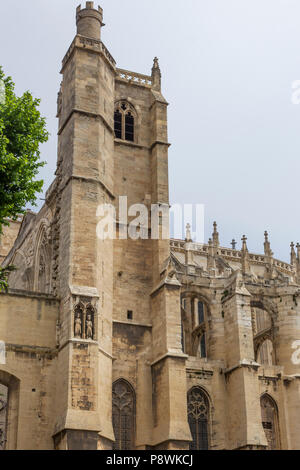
(85, 180)
(114, 291)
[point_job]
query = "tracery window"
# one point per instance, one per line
(198, 418)
(269, 417)
(123, 415)
(3, 415)
(124, 121)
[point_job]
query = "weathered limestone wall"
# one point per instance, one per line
(132, 356)
(28, 328)
(206, 374)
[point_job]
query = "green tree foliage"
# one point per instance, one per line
(4, 273)
(22, 130)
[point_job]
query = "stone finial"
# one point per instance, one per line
(244, 245)
(215, 235)
(267, 245)
(155, 63)
(233, 244)
(156, 75)
(298, 251)
(293, 254)
(188, 236)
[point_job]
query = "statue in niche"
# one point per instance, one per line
(89, 326)
(78, 324)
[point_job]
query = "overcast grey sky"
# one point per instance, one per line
(228, 68)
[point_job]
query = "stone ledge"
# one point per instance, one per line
(30, 294)
(170, 355)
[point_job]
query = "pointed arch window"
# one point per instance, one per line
(269, 417)
(123, 415)
(124, 121)
(198, 418)
(118, 124)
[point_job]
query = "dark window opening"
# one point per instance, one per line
(267, 425)
(129, 127)
(200, 312)
(182, 338)
(129, 314)
(203, 346)
(118, 124)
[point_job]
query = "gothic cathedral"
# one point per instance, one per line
(123, 343)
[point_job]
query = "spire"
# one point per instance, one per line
(244, 246)
(267, 245)
(188, 236)
(233, 244)
(293, 254)
(156, 75)
(211, 263)
(245, 256)
(215, 235)
(298, 252)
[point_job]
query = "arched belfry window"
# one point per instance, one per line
(198, 418)
(123, 415)
(269, 417)
(124, 121)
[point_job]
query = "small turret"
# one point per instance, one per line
(293, 254)
(215, 235)
(267, 245)
(89, 21)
